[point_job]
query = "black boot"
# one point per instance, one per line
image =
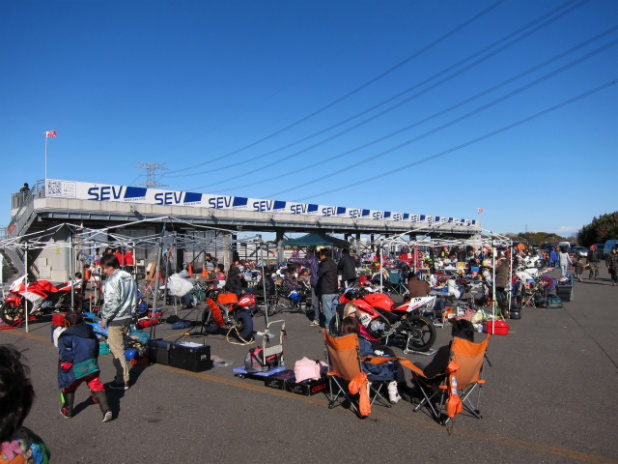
(67, 404)
(100, 397)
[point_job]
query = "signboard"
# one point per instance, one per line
(151, 196)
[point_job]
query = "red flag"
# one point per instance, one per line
(480, 209)
(50, 134)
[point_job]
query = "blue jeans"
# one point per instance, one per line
(329, 304)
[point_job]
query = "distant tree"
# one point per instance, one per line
(599, 230)
(535, 238)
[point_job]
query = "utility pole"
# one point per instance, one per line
(151, 169)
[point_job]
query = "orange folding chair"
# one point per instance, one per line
(464, 377)
(346, 376)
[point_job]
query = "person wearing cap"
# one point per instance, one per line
(593, 263)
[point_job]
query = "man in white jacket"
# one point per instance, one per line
(120, 295)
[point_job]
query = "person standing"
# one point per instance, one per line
(612, 265)
(347, 267)
(565, 261)
(313, 264)
(553, 258)
(593, 263)
(120, 296)
(78, 350)
(327, 285)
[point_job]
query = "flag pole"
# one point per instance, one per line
(45, 184)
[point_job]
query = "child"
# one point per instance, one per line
(579, 268)
(350, 325)
(17, 443)
(79, 349)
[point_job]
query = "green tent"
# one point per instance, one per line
(318, 239)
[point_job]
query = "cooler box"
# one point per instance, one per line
(190, 356)
(497, 327)
(159, 351)
(565, 292)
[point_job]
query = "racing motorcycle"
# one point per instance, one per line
(408, 325)
(225, 312)
(40, 297)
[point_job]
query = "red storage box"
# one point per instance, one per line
(58, 319)
(497, 327)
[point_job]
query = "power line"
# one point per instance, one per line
(441, 113)
(354, 91)
(466, 144)
(536, 21)
(372, 157)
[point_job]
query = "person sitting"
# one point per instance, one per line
(417, 287)
(267, 281)
(289, 279)
(351, 325)
(236, 283)
(436, 369)
(17, 443)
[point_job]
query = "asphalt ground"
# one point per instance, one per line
(551, 397)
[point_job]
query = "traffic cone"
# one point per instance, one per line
(191, 270)
(204, 273)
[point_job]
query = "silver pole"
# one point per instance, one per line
(26, 285)
(493, 306)
(72, 272)
(266, 306)
(156, 289)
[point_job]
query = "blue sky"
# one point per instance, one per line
(423, 107)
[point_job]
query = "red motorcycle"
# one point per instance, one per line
(404, 325)
(226, 312)
(41, 297)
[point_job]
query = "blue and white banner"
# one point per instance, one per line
(150, 196)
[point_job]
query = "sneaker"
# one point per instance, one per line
(63, 411)
(107, 417)
(314, 324)
(119, 386)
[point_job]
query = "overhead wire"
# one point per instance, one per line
(494, 102)
(351, 92)
(439, 113)
(400, 94)
(465, 144)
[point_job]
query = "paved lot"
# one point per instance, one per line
(551, 396)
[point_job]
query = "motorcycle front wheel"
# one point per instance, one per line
(422, 331)
(244, 324)
(12, 314)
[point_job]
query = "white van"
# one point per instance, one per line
(566, 245)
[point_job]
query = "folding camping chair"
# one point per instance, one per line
(467, 361)
(395, 283)
(345, 364)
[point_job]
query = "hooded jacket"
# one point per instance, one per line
(78, 347)
(120, 297)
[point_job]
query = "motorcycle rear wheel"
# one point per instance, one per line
(424, 334)
(12, 314)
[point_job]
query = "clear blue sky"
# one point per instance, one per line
(424, 105)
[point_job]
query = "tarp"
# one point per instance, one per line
(318, 239)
